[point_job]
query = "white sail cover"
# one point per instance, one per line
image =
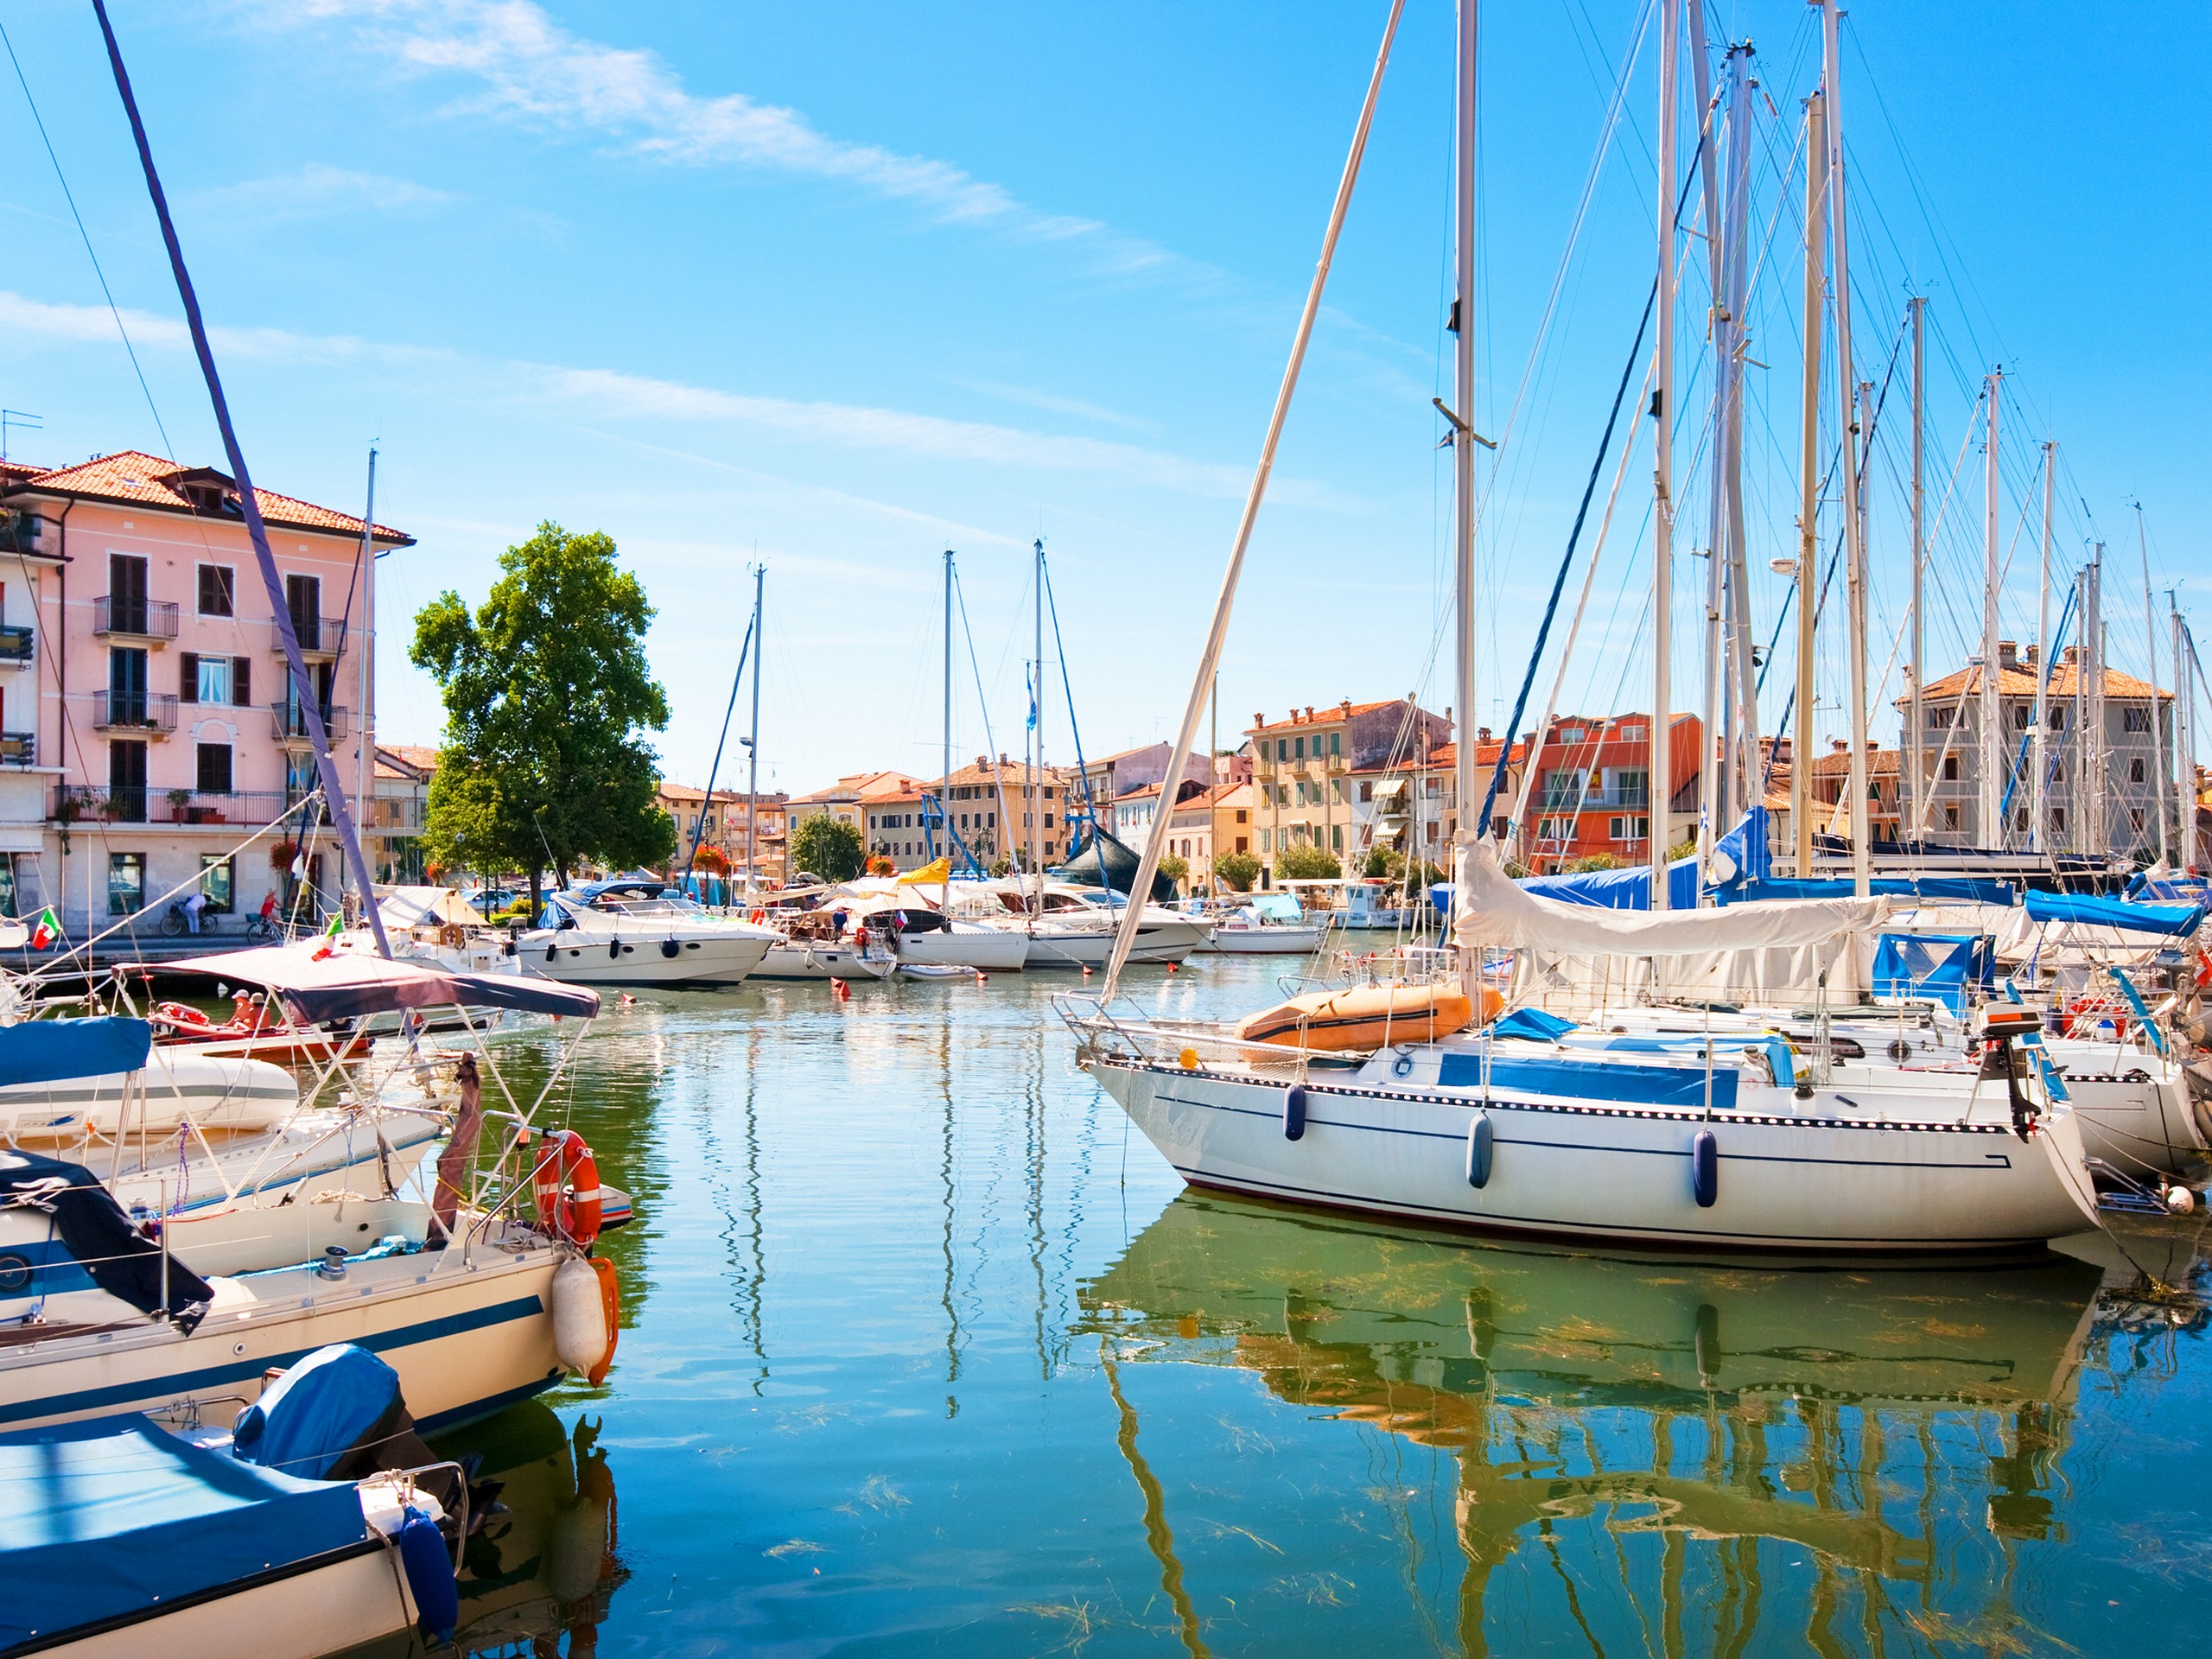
(1493, 911)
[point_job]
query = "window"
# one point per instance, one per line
(1940, 719)
(7, 884)
(1631, 786)
(2135, 818)
(2058, 819)
(215, 771)
(2021, 715)
(2135, 720)
(218, 590)
(1336, 837)
(1243, 845)
(1337, 791)
(1336, 742)
(2058, 713)
(2136, 771)
(1298, 749)
(1547, 829)
(1282, 749)
(1366, 789)
(126, 883)
(218, 880)
(1950, 768)
(1951, 818)
(1634, 829)
(1267, 841)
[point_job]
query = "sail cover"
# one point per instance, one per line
(1492, 910)
(346, 984)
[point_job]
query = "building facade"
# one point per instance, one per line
(725, 823)
(1307, 772)
(1593, 795)
(147, 693)
(394, 821)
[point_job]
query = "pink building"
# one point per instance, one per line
(147, 724)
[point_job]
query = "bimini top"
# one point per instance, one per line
(347, 984)
(115, 1518)
(54, 1051)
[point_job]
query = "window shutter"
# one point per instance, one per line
(242, 681)
(187, 676)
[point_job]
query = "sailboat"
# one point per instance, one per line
(1751, 1151)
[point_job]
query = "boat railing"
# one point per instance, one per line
(1102, 1034)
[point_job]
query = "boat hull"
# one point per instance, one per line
(801, 961)
(726, 959)
(1262, 941)
(1622, 1175)
(990, 950)
(1156, 942)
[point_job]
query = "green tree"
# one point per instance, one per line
(827, 847)
(547, 693)
(1590, 861)
(1385, 864)
(1307, 864)
(1175, 867)
(1237, 870)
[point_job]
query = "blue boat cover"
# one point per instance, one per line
(2171, 889)
(115, 1516)
(317, 1412)
(1953, 969)
(54, 1051)
(1933, 889)
(2175, 920)
(1531, 1022)
(1610, 1081)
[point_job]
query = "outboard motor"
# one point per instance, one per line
(2004, 1026)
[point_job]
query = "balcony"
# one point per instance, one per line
(22, 531)
(16, 646)
(291, 723)
(322, 637)
(1619, 800)
(75, 803)
(153, 621)
(18, 749)
(151, 712)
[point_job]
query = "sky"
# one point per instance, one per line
(833, 289)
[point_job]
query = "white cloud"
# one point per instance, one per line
(317, 189)
(1056, 404)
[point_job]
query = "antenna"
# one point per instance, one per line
(17, 417)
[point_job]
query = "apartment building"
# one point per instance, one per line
(725, 824)
(396, 811)
(1313, 774)
(144, 686)
(896, 829)
(1593, 794)
(846, 799)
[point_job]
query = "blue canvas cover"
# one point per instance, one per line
(1531, 1022)
(115, 1516)
(1628, 889)
(1931, 889)
(318, 1411)
(2173, 919)
(1611, 1081)
(54, 1051)
(1953, 969)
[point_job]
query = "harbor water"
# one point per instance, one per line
(925, 1350)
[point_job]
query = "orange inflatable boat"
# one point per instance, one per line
(1367, 1017)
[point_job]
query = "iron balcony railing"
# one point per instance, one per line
(1619, 800)
(139, 619)
(318, 636)
(18, 748)
(75, 803)
(137, 711)
(17, 644)
(292, 723)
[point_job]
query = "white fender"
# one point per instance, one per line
(580, 1332)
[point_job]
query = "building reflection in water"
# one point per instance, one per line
(541, 1569)
(1670, 1458)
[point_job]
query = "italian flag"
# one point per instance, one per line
(330, 936)
(45, 929)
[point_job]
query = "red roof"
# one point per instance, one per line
(2018, 680)
(141, 479)
(1320, 716)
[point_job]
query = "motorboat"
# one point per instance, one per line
(1361, 905)
(820, 944)
(1068, 926)
(922, 936)
(1270, 925)
(636, 931)
(161, 1092)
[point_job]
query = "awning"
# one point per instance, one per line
(348, 984)
(2173, 920)
(53, 1051)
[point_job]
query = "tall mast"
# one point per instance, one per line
(1808, 500)
(2093, 731)
(2184, 733)
(1713, 778)
(2038, 785)
(1915, 784)
(2082, 840)
(1036, 790)
(752, 743)
(2151, 670)
(1738, 269)
(1846, 387)
(1988, 832)
(944, 783)
(364, 648)
(1462, 448)
(1659, 788)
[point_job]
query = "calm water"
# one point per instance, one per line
(924, 1350)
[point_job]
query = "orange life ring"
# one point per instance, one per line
(567, 1186)
(2085, 1013)
(758, 916)
(610, 1298)
(177, 1013)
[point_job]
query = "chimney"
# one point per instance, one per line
(2008, 654)
(1259, 722)
(1482, 733)
(1345, 709)
(1309, 711)
(2035, 654)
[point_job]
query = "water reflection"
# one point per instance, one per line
(544, 1565)
(1649, 1454)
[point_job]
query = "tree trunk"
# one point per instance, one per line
(537, 881)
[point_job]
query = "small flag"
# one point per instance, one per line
(330, 936)
(45, 929)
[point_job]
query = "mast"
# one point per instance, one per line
(1988, 831)
(2082, 838)
(1713, 778)
(1658, 787)
(2093, 730)
(1036, 780)
(2184, 731)
(1808, 500)
(753, 744)
(2151, 661)
(1854, 525)
(2038, 785)
(1463, 452)
(944, 786)
(1738, 268)
(364, 648)
(1916, 716)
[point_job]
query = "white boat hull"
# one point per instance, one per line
(632, 958)
(802, 960)
(986, 950)
(1585, 1170)
(1262, 941)
(1156, 942)
(217, 1092)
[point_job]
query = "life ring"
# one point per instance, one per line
(178, 1014)
(567, 1186)
(2085, 1013)
(758, 916)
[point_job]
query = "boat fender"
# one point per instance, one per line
(552, 953)
(582, 1339)
(610, 1302)
(671, 948)
(1478, 1150)
(429, 1575)
(1293, 1112)
(1705, 1168)
(566, 1181)
(2180, 1200)
(614, 949)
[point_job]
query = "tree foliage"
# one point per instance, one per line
(1307, 864)
(1237, 870)
(1175, 868)
(547, 692)
(826, 846)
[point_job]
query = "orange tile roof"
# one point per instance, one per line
(2021, 682)
(422, 758)
(1321, 716)
(1835, 762)
(861, 786)
(133, 476)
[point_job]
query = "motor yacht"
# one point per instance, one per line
(638, 931)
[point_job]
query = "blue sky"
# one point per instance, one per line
(846, 285)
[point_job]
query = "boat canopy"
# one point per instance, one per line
(1493, 910)
(2174, 920)
(53, 1051)
(347, 984)
(116, 1518)
(406, 908)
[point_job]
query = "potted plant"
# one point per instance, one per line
(179, 798)
(283, 855)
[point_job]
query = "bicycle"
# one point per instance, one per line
(259, 929)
